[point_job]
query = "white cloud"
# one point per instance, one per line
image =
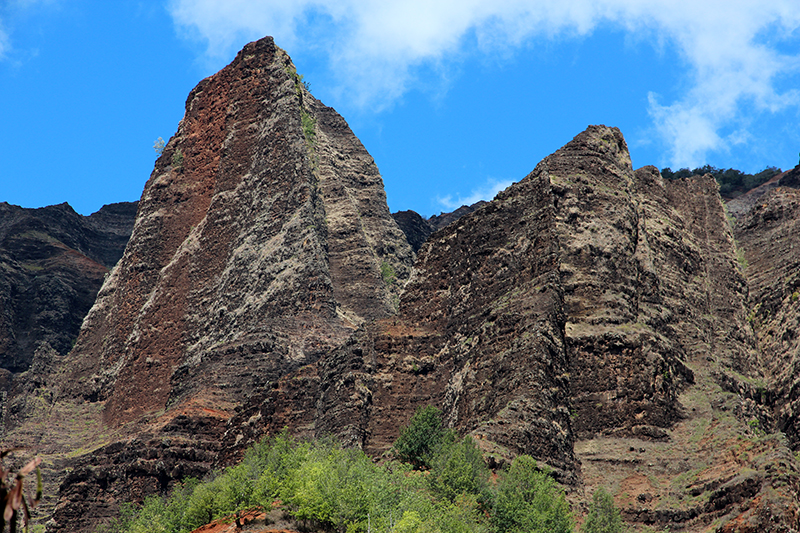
(730, 47)
(10, 11)
(486, 192)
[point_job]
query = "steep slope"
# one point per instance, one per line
(418, 229)
(479, 333)
(712, 465)
(769, 237)
(263, 239)
(254, 250)
(53, 262)
(591, 316)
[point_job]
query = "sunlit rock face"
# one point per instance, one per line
(263, 240)
(598, 318)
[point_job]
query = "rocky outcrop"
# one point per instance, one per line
(479, 333)
(263, 240)
(418, 229)
(441, 220)
(769, 240)
(53, 261)
(598, 318)
(742, 204)
(256, 248)
(592, 316)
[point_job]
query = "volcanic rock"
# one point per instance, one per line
(263, 240)
(769, 237)
(53, 262)
(416, 229)
(587, 311)
(600, 319)
(441, 220)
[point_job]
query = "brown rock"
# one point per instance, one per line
(53, 262)
(263, 240)
(601, 319)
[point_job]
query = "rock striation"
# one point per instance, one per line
(53, 262)
(769, 238)
(263, 240)
(256, 248)
(592, 316)
(605, 321)
(418, 229)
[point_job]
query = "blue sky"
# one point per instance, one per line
(453, 98)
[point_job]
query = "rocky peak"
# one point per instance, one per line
(418, 229)
(591, 316)
(263, 238)
(601, 319)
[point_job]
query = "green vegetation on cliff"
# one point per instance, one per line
(731, 182)
(444, 487)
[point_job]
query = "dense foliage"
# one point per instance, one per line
(422, 438)
(603, 516)
(337, 489)
(731, 182)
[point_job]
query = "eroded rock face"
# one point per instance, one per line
(418, 229)
(255, 250)
(480, 334)
(769, 237)
(593, 316)
(53, 261)
(263, 240)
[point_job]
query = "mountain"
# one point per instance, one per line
(53, 262)
(417, 229)
(619, 327)
(263, 240)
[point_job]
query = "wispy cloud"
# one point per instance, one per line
(10, 10)
(3, 41)
(485, 192)
(731, 49)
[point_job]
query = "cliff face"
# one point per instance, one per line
(479, 333)
(263, 240)
(591, 316)
(769, 237)
(417, 229)
(598, 318)
(256, 248)
(53, 261)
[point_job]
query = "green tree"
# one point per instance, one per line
(458, 468)
(529, 501)
(603, 517)
(421, 439)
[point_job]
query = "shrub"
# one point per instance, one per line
(388, 273)
(529, 501)
(177, 159)
(309, 124)
(603, 515)
(343, 490)
(458, 468)
(419, 441)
